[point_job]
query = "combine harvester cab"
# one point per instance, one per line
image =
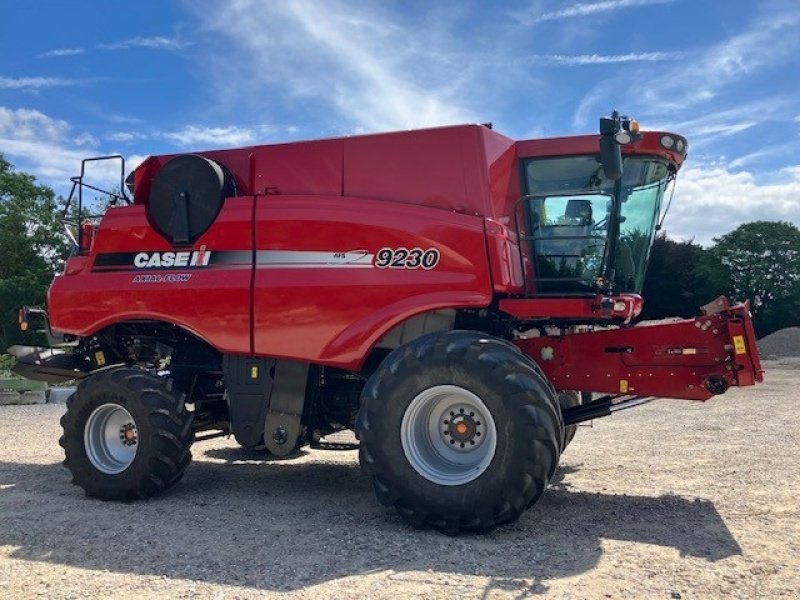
(459, 299)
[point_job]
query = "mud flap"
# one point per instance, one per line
(249, 382)
(282, 426)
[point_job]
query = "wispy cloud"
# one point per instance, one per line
(697, 83)
(605, 59)
(38, 83)
(587, 107)
(62, 52)
(769, 41)
(153, 43)
(584, 9)
(760, 157)
(371, 71)
(86, 139)
(125, 137)
(193, 135)
(707, 127)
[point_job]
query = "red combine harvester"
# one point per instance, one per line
(459, 299)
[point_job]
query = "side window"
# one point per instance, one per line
(569, 235)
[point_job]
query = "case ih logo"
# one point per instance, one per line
(161, 260)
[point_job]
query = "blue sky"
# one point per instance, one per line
(81, 79)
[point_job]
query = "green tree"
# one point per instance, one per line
(33, 248)
(760, 262)
(674, 285)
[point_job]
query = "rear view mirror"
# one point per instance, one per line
(610, 149)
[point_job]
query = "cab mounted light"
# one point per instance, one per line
(629, 131)
(673, 143)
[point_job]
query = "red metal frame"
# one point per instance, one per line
(675, 359)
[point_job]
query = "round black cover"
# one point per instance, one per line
(186, 196)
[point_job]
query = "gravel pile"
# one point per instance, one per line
(784, 343)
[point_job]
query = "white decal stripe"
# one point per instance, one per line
(307, 259)
(311, 266)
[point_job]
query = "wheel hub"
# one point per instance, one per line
(110, 438)
(462, 427)
(448, 435)
(128, 434)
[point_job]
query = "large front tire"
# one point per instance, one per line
(459, 432)
(127, 435)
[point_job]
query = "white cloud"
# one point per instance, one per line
(133, 161)
(30, 124)
(62, 52)
(125, 137)
(193, 135)
(86, 139)
(583, 9)
(373, 72)
(154, 43)
(44, 147)
(605, 59)
(712, 200)
(36, 83)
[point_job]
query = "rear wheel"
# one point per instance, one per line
(127, 435)
(459, 431)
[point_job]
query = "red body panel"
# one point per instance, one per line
(214, 303)
(298, 168)
(308, 305)
(319, 311)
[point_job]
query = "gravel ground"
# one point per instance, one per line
(782, 344)
(670, 500)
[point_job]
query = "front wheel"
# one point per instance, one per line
(459, 431)
(127, 435)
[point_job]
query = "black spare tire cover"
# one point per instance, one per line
(186, 196)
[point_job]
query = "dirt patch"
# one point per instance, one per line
(673, 499)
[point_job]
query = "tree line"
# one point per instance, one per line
(758, 261)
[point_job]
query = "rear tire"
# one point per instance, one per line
(411, 428)
(127, 435)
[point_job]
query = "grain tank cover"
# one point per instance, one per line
(186, 196)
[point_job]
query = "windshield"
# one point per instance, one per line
(567, 216)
